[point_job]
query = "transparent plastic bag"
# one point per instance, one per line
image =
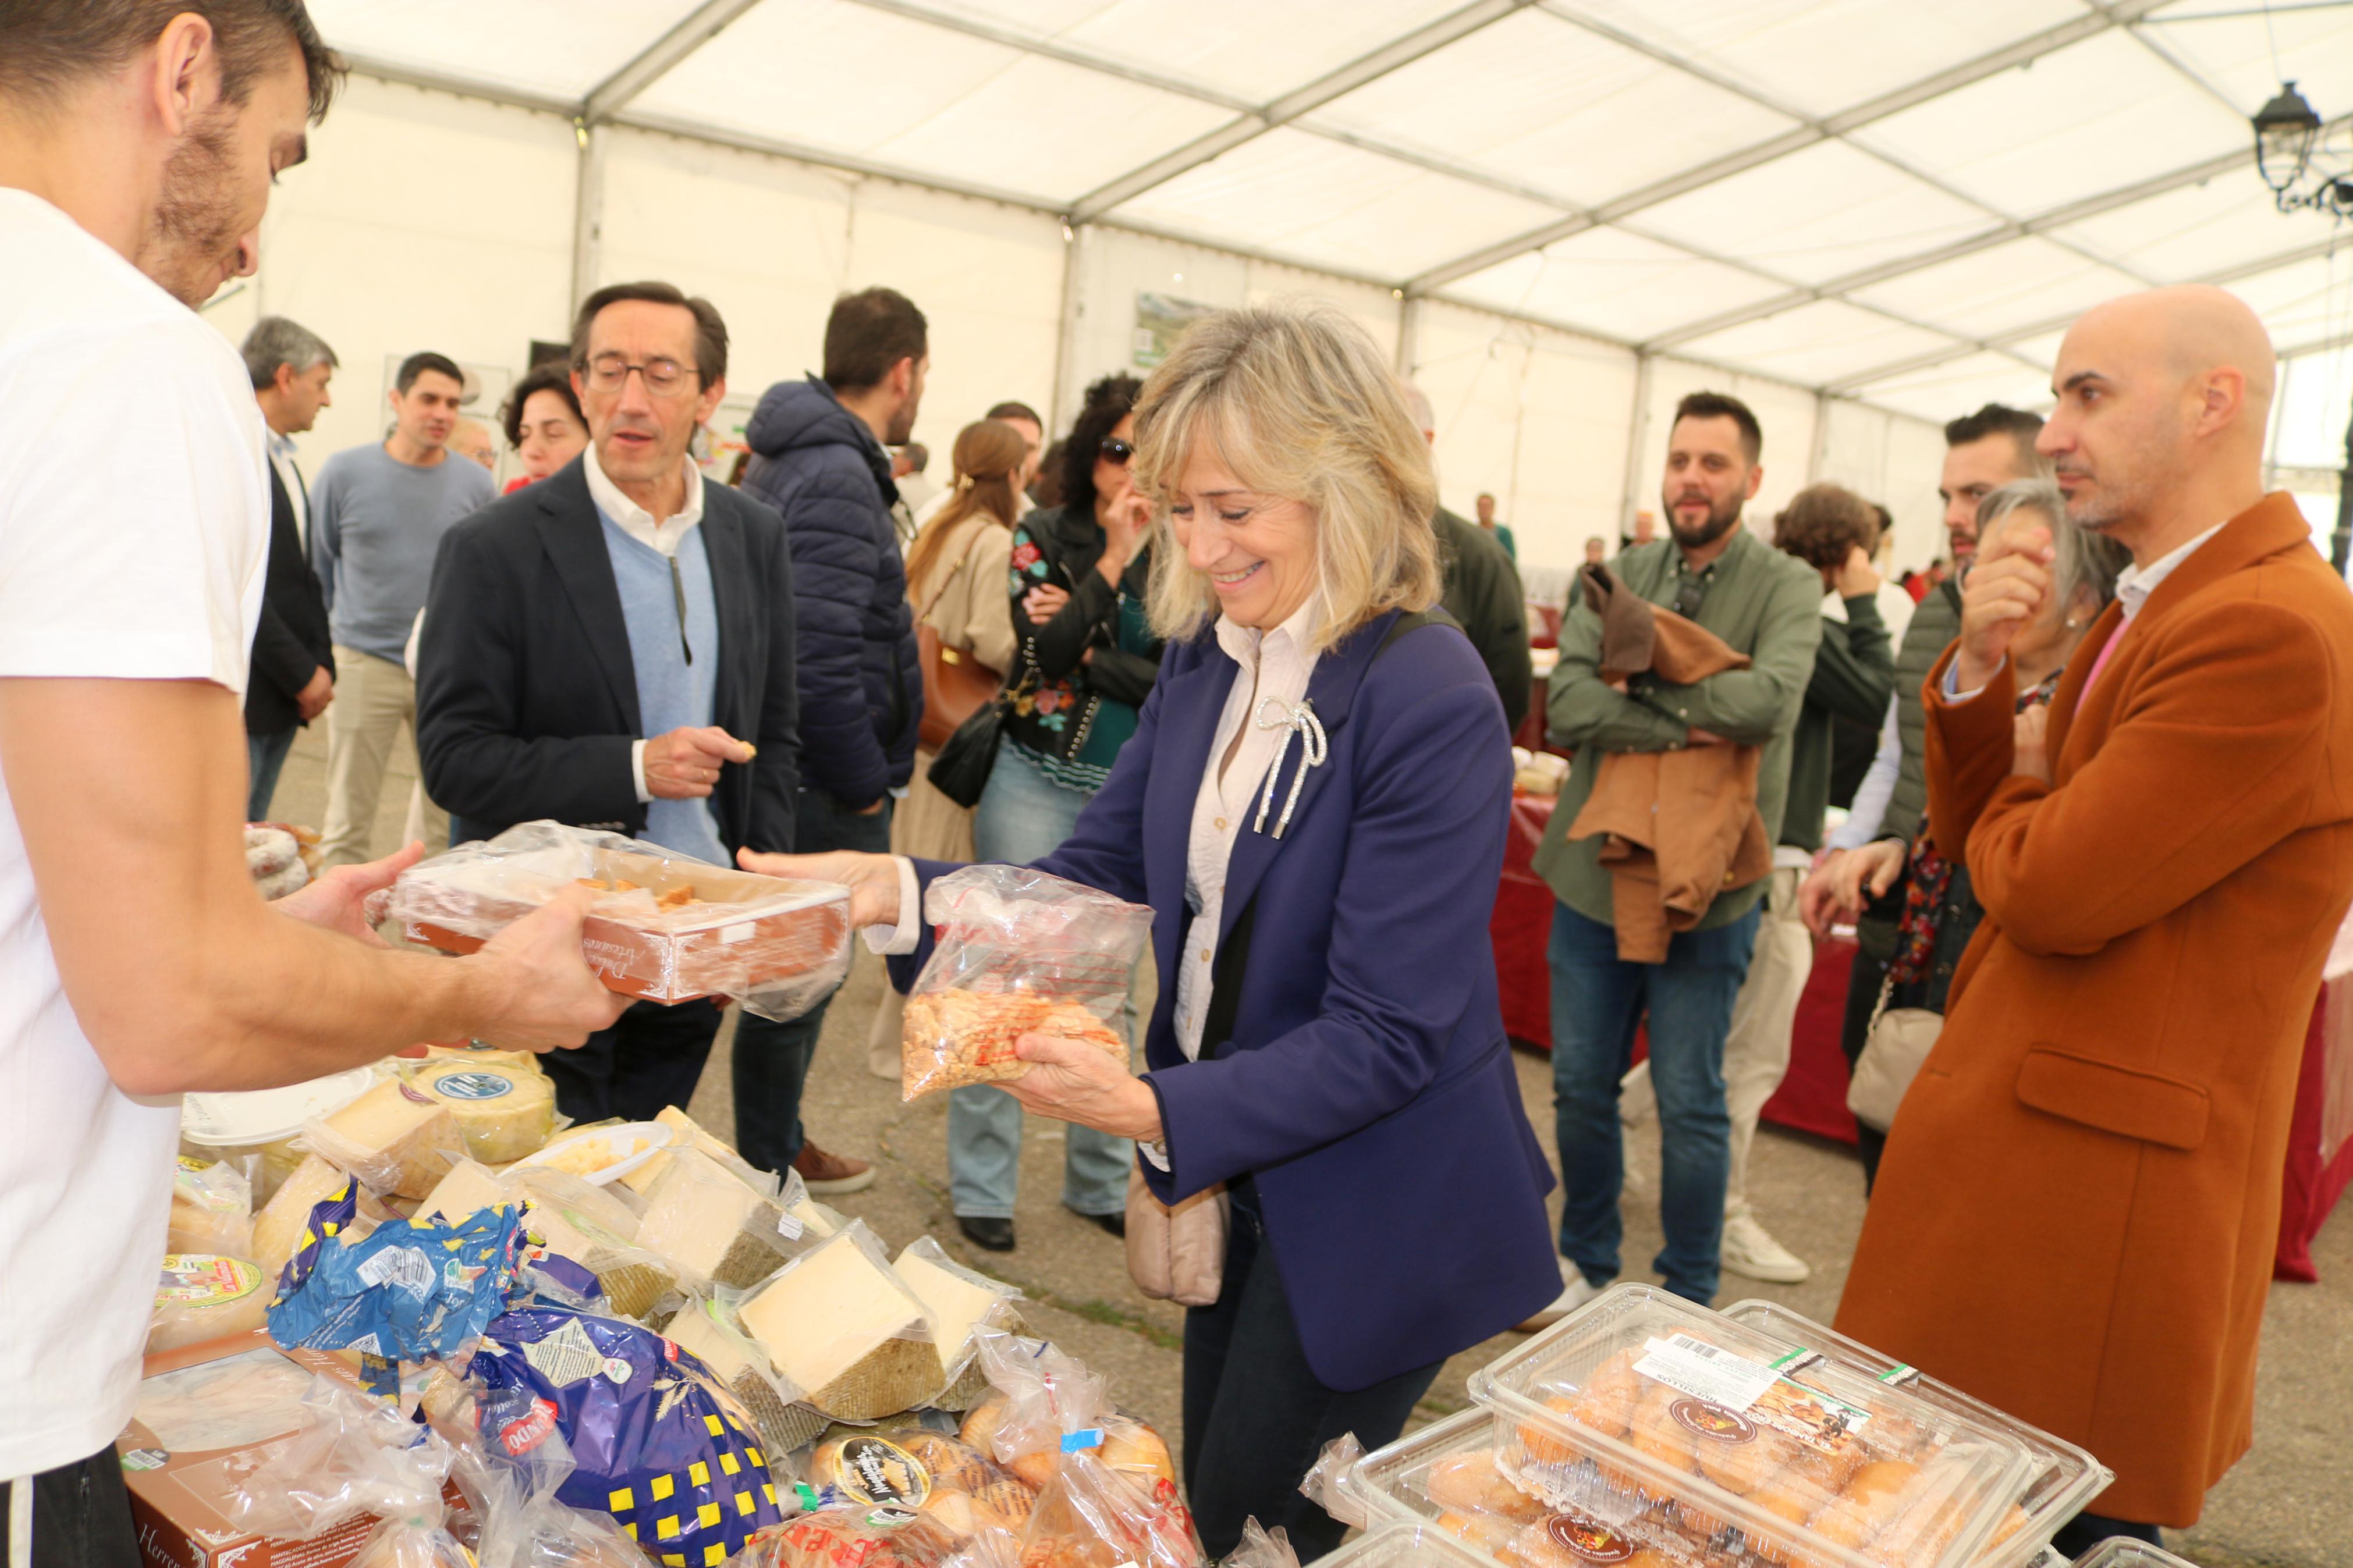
(1260, 1547)
(1055, 1407)
(708, 1330)
(714, 1230)
(397, 1142)
(350, 1455)
(846, 1534)
(212, 1209)
(1327, 1482)
(596, 1227)
(1019, 952)
(839, 1323)
(960, 1302)
(519, 1522)
(668, 928)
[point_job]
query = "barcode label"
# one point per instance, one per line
(1706, 1372)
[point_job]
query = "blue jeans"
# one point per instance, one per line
(1598, 1000)
(772, 1059)
(1023, 816)
(264, 755)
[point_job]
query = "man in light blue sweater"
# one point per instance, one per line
(377, 515)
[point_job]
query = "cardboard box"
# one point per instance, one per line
(221, 1409)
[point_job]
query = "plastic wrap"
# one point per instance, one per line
(774, 1404)
(843, 1534)
(1671, 1426)
(505, 1110)
(2122, 1552)
(1403, 1546)
(256, 1129)
(960, 1302)
(1092, 1516)
(396, 1141)
(211, 1208)
(350, 1455)
(714, 1230)
(656, 1439)
(603, 1155)
(595, 1227)
(201, 1296)
(838, 1323)
(1019, 953)
(1049, 1396)
(668, 929)
(686, 1133)
(1327, 1482)
(1260, 1547)
(521, 1523)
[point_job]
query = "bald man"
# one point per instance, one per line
(2080, 1198)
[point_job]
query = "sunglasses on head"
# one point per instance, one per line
(1116, 451)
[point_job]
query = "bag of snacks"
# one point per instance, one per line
(1019, 952)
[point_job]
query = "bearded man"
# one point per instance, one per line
(1766, 605)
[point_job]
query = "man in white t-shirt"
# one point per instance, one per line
(138, 141)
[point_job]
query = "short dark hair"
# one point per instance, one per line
(1823, 524)
(417, 365)
(1724, 406)
(1010, 409)
(547, 375)
(866, 334)
(275, 341)
(47, 46)
(917, 455)
(1108, 401)
(709, 330)
(1996, 419)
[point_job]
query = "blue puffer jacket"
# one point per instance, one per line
(861, 683)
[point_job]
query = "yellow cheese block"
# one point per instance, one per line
(203, 1296)
(957, 1300)
(393, 1139)
(467, 1187)
(744, 1368)
(278, 1229)
(842, 1328)
(503, 1110)
(715, 1229)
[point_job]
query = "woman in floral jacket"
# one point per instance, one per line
(1086, 662)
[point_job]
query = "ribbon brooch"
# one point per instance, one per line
(1292, 719)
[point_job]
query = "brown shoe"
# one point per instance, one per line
(831, 1175)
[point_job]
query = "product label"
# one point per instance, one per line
(521, 1436)
(405, 1267)
(743, 931)
(1713, 1422)
(874, 1471)
(477, 1085)
(1732, 1396)
(1587, 1538)
(566, 1356)
(789, 1226)
(145, 1459)
(200, 1278)
(408, 1093)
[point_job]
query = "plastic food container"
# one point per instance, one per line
(602, 1155)
(2124, 1552)
(1431, 1479)
(668, 928)
(1703, 1439)
(254, 1129)
(1402, 1545)
(2063, 1479)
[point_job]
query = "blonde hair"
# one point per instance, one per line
(1297, 401)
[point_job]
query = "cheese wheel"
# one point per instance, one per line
(393, 1139)
(836, 1322)
(503, 1111)
(202, 1296)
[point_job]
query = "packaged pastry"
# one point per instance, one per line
(665, 927)
(1697, 1439)
(1019, 953)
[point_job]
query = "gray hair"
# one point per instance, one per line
(276, 341)
(2080, 558)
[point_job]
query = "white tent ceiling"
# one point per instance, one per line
(1894, 199)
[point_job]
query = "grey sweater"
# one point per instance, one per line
(376, 524)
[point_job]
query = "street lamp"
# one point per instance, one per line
(2287, 131)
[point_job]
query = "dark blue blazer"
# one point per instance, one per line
(1368, 1086)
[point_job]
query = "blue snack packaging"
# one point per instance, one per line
(656, 1441)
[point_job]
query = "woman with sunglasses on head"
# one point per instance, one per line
(1085, 660)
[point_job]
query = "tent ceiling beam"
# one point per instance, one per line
(1810, 132)
(699, 26)
(1255, 122)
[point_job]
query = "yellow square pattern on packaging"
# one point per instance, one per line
(666, 1528)
(768, 1491)
(707, 1515)
(713, 1422)
(753, 1454)
(673, 1559)
(714, 1555)
(623, 1500)
(632, 1527)
(744, 1504)
(729, 1463)
(699, 1473)
(662, 1486)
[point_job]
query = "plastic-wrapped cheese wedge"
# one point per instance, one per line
(712, 1227)
(203, 1296)
(212, 1209)
(504, 1110)
(467, 1187)
(278, 1228)
(958, 1301)
(393, 1139)
(686, 1133)
(785, 1425)
(598, 1231)
(839, 1323)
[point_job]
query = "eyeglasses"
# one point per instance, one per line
(610, 373)
(1116, 451)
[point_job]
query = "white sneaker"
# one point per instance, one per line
(1575, 1292)
(1750, 1250)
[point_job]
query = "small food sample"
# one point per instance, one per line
(601, 1154)
(954, 1036)
(840, 1324)
(203, 1296)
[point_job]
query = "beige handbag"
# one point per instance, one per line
(1176, 1254)
(1898, 1041)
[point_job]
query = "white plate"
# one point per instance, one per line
(267, 1115)
(652, 1134)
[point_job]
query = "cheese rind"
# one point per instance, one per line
(713, 1227)
(743, 1366)
(956, 1302)
(842, 1326)
(393, 1138)
(503, 1110)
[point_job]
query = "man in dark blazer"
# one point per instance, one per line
(292, 676)
(613, 647)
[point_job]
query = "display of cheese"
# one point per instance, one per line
(842, 1327)
(957, 1300)
(212, 1209)
(393, 1138)
(686, 1133)
(784, 1426)
(202, 1296)
(593, 1229)
(712, 1227)
(278, 1228)
(467, 1187)
(504, 1110)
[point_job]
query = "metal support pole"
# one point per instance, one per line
(589, 211)
(2343, 541)
(1638, 429)
(1409, 335)
(1078, 243)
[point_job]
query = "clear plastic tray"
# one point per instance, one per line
(1401, 1545)
(2063, 1480)
(1394, 1486)
(1712, 1441)
(2121, 1551)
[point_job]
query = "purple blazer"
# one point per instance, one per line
(1369, 1085)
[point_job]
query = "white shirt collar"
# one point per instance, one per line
(1244, 644)
(282, 448)
(2135, 584)
(635, 521)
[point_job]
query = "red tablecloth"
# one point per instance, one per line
(1812, 1098)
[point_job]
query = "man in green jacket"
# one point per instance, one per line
(1765, 604)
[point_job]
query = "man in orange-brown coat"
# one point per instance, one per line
(2077, 1216)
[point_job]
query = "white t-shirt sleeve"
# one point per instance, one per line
(134, 503)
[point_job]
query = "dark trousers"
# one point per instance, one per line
(2085, 1530)
(265, 758)
(772, 1060)
(1256, 1416)
(82, 1517)
(1861, 1000)
(652, 1057)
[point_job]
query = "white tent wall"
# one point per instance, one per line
(1891, 459)
(1113, 268)
(1784, 413)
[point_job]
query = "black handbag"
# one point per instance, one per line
(961, 770)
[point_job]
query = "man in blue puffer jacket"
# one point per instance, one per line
(819, 457)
